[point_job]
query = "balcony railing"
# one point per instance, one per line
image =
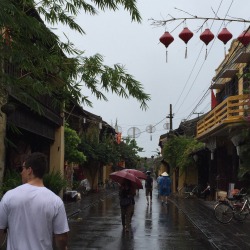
(231, 110)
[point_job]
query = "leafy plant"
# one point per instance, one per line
(54, 181)
(39, 54)
(72, 140)
(177, 151)
(11, 180)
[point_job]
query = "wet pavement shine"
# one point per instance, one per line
(154, 226)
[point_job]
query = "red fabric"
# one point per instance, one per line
(118, 137)
(213, 100)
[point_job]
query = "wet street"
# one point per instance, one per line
(98, 226)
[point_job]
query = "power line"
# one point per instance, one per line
(193, 70)
(203, 97)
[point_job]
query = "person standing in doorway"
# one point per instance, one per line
(33, 214)
(165, 187)
(149, 187)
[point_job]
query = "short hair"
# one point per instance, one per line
(38, 162)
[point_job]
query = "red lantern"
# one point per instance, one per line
(244, 37)
(166, 39)
(225, 36)
(186, 35)
(207, 36)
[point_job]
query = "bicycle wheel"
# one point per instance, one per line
(238, 214)
(223, 212)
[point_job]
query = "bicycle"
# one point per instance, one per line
(237, 207)
(193, 192)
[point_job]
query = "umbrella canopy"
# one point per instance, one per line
(122, 176)
(137, 173)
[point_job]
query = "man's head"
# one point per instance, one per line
(34, 165)
(148, 172)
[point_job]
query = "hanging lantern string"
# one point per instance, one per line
(163, 22)
(185, 36)
(184, 25)
(206, 54)
(184, 21)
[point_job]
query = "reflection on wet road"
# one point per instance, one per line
(153, 227)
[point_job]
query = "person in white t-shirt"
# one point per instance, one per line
(33, 214)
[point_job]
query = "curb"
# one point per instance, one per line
(194, 223)
(102, 195)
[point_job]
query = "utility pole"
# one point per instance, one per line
(171, 116)
(199, 113)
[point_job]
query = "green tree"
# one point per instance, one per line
(177, 151)
(72, 140)
(98, 152)
(128, 151)
(39, 63)
(105, 150)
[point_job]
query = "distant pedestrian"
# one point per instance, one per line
(84, 186)
(158, 184)
(33, 214)
(149, 187)
(127, 202)
(165, 187)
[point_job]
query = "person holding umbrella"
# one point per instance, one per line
(128, 185)
(127, 202)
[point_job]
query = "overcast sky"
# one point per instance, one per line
(180, 82)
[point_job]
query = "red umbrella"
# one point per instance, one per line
(137, 173)
(122, 176)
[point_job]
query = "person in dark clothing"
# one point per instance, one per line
(149, 187)
(127, 202)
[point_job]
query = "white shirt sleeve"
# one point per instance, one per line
(60, 223)
(3, 215)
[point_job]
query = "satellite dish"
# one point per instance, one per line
(166, 126)
(134, 132)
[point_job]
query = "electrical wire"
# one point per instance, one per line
(192, 71)
(206, 93)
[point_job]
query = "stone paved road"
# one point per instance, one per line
(153, 227)
(98, 225)
(235, 235)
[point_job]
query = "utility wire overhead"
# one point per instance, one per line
(194, 67)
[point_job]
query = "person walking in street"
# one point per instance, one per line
(158, 184)
(149, 187)
(165, 187)
(33, 214)
(127, 202)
